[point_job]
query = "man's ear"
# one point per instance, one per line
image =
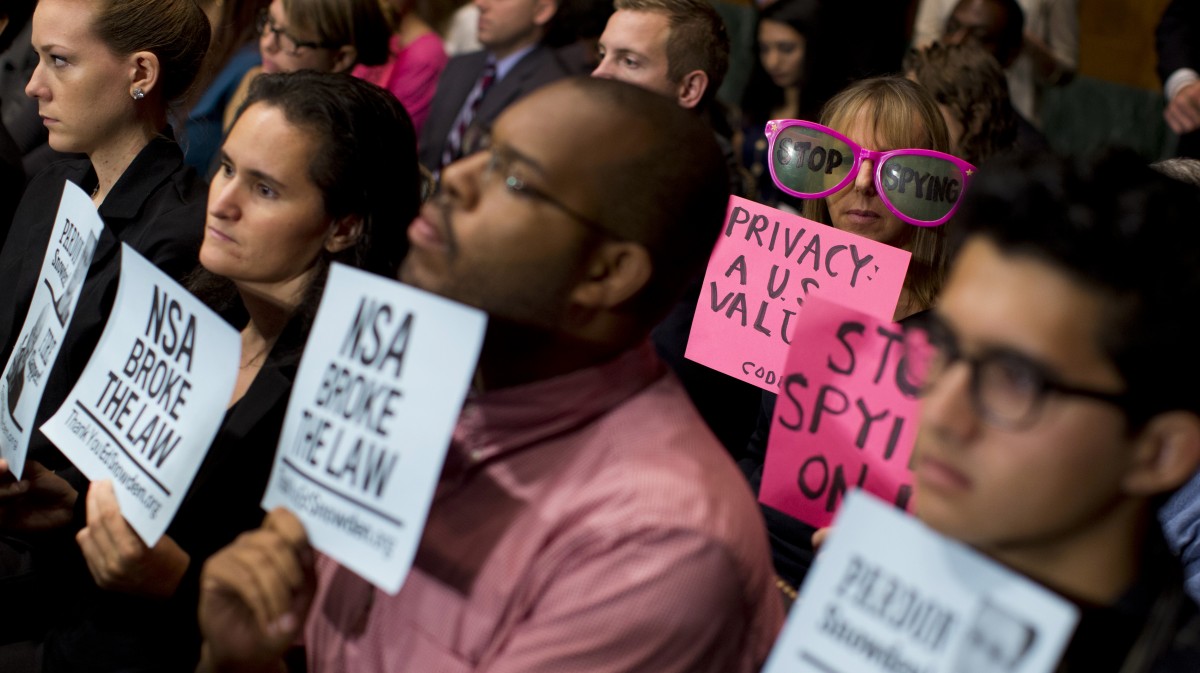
(691, 89)
(543, 11)
(344, 233)
(144, 73)
(616, 272)
(344, 58)
(1166, 454)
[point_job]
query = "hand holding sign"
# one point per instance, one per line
(117, 557)
(152, 396)
(255, 595)
(40, 501)
(77, 227)
(370, 417)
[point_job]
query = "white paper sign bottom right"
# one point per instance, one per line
(888, 595)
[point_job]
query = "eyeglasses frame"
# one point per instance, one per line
(775, 128)
(480, 142)
(1048, 383)
(264, 23)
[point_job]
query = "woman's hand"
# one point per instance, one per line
(255, 595)
(117, 557)
(40, 501)
(818, 537)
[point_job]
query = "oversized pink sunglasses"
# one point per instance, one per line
(921, 187)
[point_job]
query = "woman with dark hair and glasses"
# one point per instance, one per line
(321, 35)
(318, 168)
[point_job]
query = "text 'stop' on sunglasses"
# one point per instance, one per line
(921, 187)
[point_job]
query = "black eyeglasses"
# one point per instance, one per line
(1007, 388)
(506, 163)
(284, 39)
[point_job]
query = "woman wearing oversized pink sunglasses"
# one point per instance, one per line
(877, 166)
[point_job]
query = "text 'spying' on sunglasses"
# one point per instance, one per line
(811, 161)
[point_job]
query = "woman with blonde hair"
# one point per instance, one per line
(883, 114)
(108, 74)
(321, 35)
(876, 166)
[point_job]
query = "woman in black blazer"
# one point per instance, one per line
(107, 73)
(317, 168)
(106, 77)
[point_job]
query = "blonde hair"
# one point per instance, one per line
(176, 31)
(906, 116)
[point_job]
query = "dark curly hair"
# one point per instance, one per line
(968, 80)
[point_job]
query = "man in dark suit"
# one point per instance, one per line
(476, 87)
(679, 49)
(1178, 62)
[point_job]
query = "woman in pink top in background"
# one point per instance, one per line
(416, 61)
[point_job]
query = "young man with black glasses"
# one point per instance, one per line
(1061, 399)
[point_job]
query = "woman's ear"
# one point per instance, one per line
(617, 272)
(1167, 454)
(144, 73)
(344, 58)
(344, 233)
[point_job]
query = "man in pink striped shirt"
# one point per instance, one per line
(586, 519)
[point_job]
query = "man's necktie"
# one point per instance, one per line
(454, 142)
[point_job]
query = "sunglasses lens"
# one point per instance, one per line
(808, 161)
(923, 188)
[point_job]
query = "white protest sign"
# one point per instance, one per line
(370, 418)
(77, 228)
(151, 399)
(887, 594)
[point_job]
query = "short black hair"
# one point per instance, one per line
(671, 196)
(1116, 226)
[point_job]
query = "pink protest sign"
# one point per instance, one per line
(766, 266)
(846, 416)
